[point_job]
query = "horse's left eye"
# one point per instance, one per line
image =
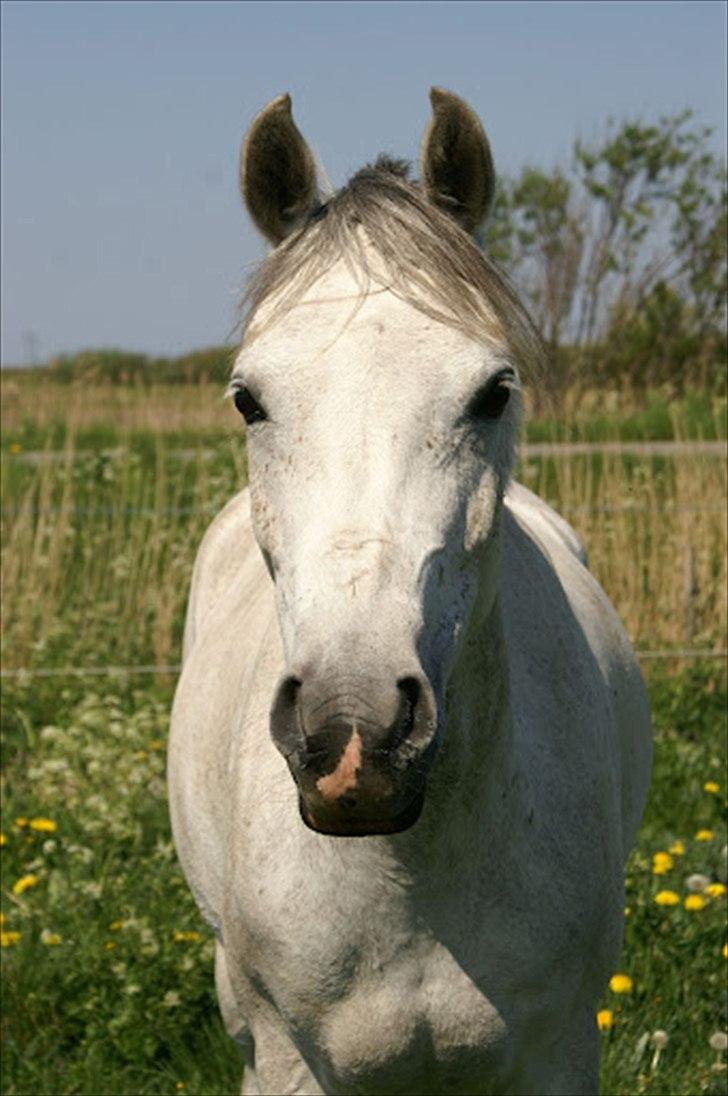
(490, 402)
(248, 406)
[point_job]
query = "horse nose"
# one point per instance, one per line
(325, 723)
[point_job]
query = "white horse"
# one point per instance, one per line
(410, 744)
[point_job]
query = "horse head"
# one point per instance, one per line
(379, 380)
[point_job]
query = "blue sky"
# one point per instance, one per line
(121, 124)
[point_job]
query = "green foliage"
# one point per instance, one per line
(695, 415)
(623, 259)
(125, 367)
(662, 343)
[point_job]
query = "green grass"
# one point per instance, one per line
(673, 955)
(131, 1008)
(697, 415)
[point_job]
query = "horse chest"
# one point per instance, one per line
(423, 1026)
(393, 1009)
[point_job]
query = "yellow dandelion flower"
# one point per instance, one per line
(141, 755)
(115, 926)
(156, 744)
(7, 939)
(50, 939)
(704, 835)
(3, 919)
(110, 945)
(694, 902)
(43, 825)
(180, 1086)
(16, 447)
(620, 983)
(21, 822)
(627, 911)
(711, 787)
(677, 848)
(661, 863)
(186, 937)
(725, 951)
(3, 839)
(25, 883)
(715, 890)
(605, 1019)
(667, 898)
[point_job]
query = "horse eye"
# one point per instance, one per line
(490, 402)
(248, 406)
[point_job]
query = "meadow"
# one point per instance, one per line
(106, 492)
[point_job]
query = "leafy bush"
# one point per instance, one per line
(212, 365)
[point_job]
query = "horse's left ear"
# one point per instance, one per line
(456, 164)
(277, 172)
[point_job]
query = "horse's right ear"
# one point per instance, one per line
(277, 172)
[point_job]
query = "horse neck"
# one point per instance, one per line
(476, 754)
(474, 792)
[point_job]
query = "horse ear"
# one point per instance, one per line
(457, 167)
(277, 172)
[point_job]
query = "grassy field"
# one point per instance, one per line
(107, 967)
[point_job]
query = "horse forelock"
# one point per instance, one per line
(383, 228)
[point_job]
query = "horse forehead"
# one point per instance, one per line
(330, 328)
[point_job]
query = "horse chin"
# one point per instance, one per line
(344, 825)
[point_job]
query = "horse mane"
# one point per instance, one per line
(387, 232)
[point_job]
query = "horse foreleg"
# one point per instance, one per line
(273, 1064)
(234, 1021)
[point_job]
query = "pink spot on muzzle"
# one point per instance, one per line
(344, 776)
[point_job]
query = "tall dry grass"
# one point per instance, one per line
(655, 533)
(160, 408)
(98, 547)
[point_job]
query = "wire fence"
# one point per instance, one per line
(111, 671)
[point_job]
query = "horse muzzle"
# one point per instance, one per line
(358, 750)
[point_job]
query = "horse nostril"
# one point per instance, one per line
(416, 721)
(288, 692)
(409, 689)
(284, 717)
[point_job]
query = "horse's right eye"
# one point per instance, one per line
(248, 406)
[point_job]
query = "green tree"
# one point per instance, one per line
(632, 237)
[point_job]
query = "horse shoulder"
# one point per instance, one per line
(538, 515)
(227, 556)
(229, 612)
